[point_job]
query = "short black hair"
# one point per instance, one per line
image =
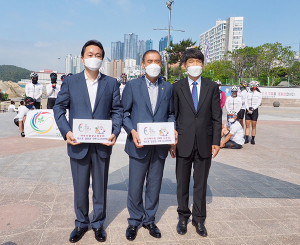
(93, 42)
(21, 102)
(150, 51)
(191, 53)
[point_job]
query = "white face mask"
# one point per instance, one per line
(194, 71)
(231, 120)
(153, 70)
(93, 64)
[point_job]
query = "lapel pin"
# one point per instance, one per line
(162, 88)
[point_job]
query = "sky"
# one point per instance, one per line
(34, 34)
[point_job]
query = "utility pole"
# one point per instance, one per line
(169, 6)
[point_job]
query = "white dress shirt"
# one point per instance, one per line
(34, 91)
(51, 92)
(198, 85)
(92, 87)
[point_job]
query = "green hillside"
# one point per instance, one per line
(13, 73)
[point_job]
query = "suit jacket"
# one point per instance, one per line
(204, 125)
(137, 109)
(74, 96)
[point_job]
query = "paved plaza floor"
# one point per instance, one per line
(253, 196)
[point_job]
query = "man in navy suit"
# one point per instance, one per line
(146, 99)
(89, 95)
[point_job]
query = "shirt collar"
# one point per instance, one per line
(191, 81)
(97, 79)
(150, 83)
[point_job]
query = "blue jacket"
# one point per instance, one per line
(74, 96)
(137, 109)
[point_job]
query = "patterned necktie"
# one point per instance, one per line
(195, 95)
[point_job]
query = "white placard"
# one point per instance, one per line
(160, 133)
(92, 130)
(41, 124)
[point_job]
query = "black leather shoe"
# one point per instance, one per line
(182, 227)
(131, 232)
(200, 228)
(153, 230)
(77, 234)
(100, 234)
(252, 141)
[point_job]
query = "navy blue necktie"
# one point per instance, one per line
(195, 95)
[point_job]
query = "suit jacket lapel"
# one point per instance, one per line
(161, 91)
(101, 86)
(83, 87)
(187, 93)
(145, 94)
(203, 92)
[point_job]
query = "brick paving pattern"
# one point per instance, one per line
(253, 193)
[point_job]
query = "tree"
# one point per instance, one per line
(222, 70)
(176, 49)
(13, 73)
(275, 56)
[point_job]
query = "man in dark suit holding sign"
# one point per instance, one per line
(199, 124)
(89, 95)
(145, 100)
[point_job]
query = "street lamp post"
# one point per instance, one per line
(169, 6)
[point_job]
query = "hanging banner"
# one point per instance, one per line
(41, 124)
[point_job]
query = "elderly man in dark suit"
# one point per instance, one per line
(199, 124)
(146, 99)
(89, 95)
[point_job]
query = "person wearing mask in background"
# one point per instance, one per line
(89, 95)
(232, 132)
(252, 103)
(233, 102)
(62, 77)
(34, 90)
(12, 107)
(243, 94)
(146, 99)
(20, 118)
(52, 90)
(199, 125)
(222, 95)
(123, 83)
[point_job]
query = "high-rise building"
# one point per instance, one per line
(226, 35)
(69, 63)
(117, 50)
(141, 49)
(105, 68)
(130, 46)
(163, 43)
(116, 68)
(149, 45)
(77, 67)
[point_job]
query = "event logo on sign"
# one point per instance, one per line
(80, 127)
(146, 131)
(42, 122)
(163, 132)
(100, 130)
